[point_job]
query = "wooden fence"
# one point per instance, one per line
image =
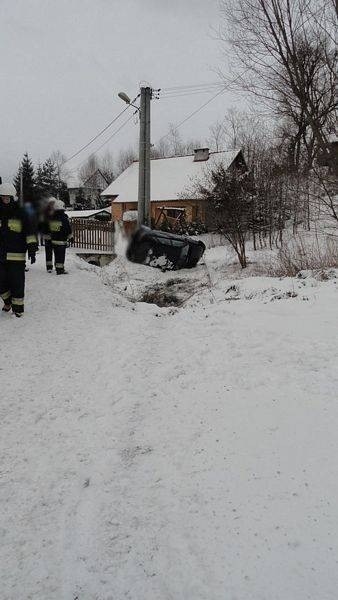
(93, 235)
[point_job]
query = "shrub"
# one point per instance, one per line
(303, 253)
(184, 228)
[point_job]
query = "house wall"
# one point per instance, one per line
(194, 209)
(118, 208)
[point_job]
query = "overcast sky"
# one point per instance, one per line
(62, 63)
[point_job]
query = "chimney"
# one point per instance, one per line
(201, 154)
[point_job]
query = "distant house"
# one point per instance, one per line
(87, 193)
(172, 185)
(99, 214)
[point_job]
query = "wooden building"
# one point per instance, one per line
(173, 181)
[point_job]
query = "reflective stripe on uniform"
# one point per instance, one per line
(47, 237)
(15, 225)
(49, 263)
(5, 295)
(30, 239)
(18, 256)
(55, 225)
(59, 265)
(59, 243)
(18, 301)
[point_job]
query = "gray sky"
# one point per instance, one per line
(62, 63)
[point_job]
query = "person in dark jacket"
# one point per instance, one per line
(61, 234)
(33, 218)
(45, 232)
(17, 236)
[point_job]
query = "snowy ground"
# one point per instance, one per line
(180, 453)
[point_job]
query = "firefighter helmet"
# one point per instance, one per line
(58, 204)
(7, 189)
(51, 200)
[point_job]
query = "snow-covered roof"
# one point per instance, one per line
(170, 177)
(85, 214)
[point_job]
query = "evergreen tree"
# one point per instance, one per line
(26, 169)
(63, 193)
(39, 189)
(50, 180)
(81, 202)
(47, 180)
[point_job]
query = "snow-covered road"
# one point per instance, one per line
(155, 456)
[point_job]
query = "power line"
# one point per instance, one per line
(108, 139)
(192, 90)
(192, 114)
(169, 91)
(183, 94)
(188, 87)
(98, 134)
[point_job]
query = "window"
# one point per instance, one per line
(174, 213)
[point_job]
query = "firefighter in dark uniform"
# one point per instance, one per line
(17, 236)
(46, 235)
(61, 235)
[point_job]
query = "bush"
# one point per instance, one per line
(194, 228)
(302, 254)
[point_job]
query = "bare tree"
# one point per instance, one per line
(229, 196)
(286, 57)
(176, 145)
(190, 145)
(161, 149)
(247, 131)
(107, 167)
(59, 160)
(280, 192)
(88, 168)
(216, 138)
(172, 144)
(125, 158)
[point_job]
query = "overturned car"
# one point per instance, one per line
(166, 251)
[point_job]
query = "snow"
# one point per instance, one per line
(169, 453)
(170, 177)
(85, 214)
(130, 215)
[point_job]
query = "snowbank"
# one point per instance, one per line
(186, 454)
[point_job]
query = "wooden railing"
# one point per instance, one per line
(93, 235)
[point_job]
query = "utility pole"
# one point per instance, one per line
(144, 212)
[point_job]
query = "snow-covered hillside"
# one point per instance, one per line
(182, 453)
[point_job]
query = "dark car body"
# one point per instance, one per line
(166, 251)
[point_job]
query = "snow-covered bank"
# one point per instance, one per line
(217, 278)
(157, 454)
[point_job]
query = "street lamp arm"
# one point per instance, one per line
(127, 100)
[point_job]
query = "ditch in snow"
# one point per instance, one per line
(173, 292)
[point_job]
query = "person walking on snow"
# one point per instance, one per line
(32, 217)
(17, 236)
(45, 232)
(61, 234)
